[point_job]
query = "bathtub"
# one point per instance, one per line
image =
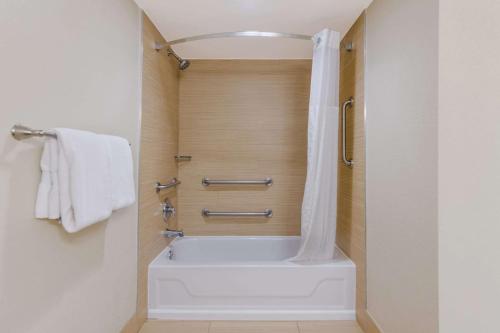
(247, 278)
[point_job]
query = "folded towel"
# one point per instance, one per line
(53, 200)
(85, 176)
(44, 187)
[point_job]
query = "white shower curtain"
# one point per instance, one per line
(319, 207)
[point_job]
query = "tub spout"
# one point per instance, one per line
(173, 233)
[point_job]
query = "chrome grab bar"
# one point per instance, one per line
(347, 103)
(181, 158)
(206, 182)
(266, 213)
(173, 183)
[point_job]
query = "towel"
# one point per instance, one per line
(85, 176)
(44, 187)
(53, 200)
(122, 172)
(47, 203)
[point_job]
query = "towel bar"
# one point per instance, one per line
(21, 132)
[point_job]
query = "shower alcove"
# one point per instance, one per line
(243, 119)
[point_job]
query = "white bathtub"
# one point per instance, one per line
(248, 278)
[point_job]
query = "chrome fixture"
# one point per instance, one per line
(170, 253)
(21, 132)
(182, 158)
(167, 210)
(173, 233)
(347, 103)
(206, 182)
(183, 63)
(173, 183)
(266, 213)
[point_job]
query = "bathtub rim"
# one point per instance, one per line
(159, 261)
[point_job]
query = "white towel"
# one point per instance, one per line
(44, 187)
(47, 203)
(122, 172)
(85, 176)
(53, 200)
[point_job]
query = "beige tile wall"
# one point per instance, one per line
(243, 119)
(351, 222)
(159, 142)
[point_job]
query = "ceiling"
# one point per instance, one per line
(177, 19)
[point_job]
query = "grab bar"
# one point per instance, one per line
(173, 183)
(206, 182)
(347, 103)
(266, 213)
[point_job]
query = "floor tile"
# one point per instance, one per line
(339, 326)
(167, 326)
(253, 327)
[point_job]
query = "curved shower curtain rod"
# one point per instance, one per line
(159, 46)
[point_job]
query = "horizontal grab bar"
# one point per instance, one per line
(206, 182)
(181, 158)
(173, 183)
(266, 213)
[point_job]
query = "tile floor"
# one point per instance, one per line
(159, 326)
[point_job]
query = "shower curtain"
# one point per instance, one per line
(319, 207)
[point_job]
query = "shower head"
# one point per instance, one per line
(183, 63)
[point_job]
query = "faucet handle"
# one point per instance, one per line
(167, 210)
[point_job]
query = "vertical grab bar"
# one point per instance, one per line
(347, 103)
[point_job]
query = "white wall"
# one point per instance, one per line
(70, 64)
(401, 163)
(469, 166)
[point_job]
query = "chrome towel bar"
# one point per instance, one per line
(206, 182)
(266, 213)
(347, 103)
(173, 183)
(21, 132)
